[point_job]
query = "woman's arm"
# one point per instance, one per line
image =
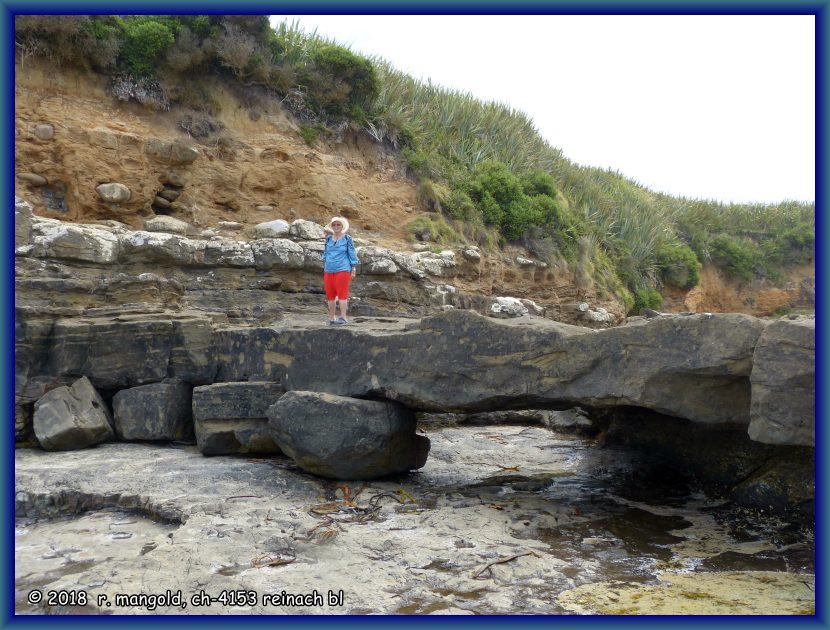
(326, 247)
(352, 254)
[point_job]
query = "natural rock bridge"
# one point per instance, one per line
(705, 368)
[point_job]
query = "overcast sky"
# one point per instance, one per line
(712, 107)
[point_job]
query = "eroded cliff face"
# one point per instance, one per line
(717, 293)
(72, 136)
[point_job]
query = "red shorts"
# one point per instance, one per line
(337, 285)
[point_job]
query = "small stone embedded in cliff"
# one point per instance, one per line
(173, 178)
(161, 202)
(170, 151)
(33, 178)
(167, 224)
(68, 418)
(347, 438)
(113, 192)
(44, 131)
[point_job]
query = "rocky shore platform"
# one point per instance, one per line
(504, 519)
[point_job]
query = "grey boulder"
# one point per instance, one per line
(73, 417)
(346, 438)
(159, 411)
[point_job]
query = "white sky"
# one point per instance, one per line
(713, 107)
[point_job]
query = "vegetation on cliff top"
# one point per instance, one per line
(483, 166)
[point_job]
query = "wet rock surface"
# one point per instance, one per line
(500, 520)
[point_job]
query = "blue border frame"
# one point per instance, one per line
(588, 7)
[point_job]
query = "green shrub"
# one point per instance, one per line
(343, 80)
(538, 182)
(358, 115)
(646, 297)
(200, 25)
(520, 217)
(104, 27)
(515, 205)
(800, 237)
(794, 245)
(461, 208)
(736, 257)
(677, 265)
(493, 180)
(146, 39)
(498, 195)
(491, 210)
(420, 163)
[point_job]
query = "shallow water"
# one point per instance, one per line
(506, 520)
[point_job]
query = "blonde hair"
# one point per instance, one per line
(342, 220)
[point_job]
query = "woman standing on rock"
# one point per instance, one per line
(339, 267)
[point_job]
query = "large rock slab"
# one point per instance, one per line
(347, 438)
(126, 351)
(232, 417)
(68, 418)
(159, 411)
(783, 405)
(694, 367)
(112, 353)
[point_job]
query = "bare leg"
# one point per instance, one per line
(344, 304)
(332, 312)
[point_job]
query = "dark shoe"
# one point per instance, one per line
(334, 322)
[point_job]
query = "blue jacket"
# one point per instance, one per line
(339, 255)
